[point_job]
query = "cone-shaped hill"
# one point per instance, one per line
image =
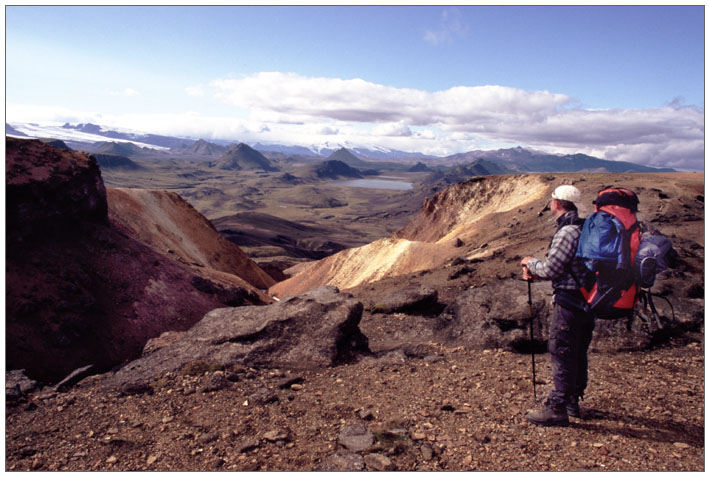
(343, 155)
(243, 157)
(332, 169)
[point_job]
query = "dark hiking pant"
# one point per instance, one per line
(570, 334)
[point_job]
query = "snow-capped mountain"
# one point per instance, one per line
(328, 148)
(522, 160)
(92, 133)
(83, 133)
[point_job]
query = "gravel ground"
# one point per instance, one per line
(432, 409)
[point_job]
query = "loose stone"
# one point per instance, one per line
(379, 462)
(356, 438)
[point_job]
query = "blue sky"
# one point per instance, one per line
(622, 83)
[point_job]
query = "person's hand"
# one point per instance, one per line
(527, 274)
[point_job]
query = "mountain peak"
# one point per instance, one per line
(333, 169)
(241, 157)
(344, 155)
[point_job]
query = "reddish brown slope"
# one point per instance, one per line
(80, 290)
(171, 226)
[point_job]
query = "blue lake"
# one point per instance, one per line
(376, 184)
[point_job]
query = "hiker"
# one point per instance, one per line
(571, 327)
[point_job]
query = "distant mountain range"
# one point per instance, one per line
(88, 132)
(10, 131)
(92, 138)
(153, 139)
(520, 160)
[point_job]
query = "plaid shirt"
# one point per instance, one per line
(561, 256)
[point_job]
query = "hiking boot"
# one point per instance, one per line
(549, 415)
(573, 407)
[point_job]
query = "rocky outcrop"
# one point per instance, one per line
(48, 190)
(449, 213)
(17, 385)
(80, 290)
(313, 330)
(497, 315)
(342, 461)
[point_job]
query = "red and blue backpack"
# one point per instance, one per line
(608, 244)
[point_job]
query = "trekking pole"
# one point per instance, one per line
(532, 338)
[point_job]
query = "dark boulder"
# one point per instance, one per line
(309, 331)
(413, 300)
(495, 316)
(17, 385)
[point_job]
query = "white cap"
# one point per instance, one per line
(570, 194)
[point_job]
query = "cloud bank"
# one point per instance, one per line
(293, 109)
(670, 136)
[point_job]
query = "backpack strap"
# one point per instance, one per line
(583, 289)
(624, 262)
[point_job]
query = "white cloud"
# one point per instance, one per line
(329, 131)
(450, 27)
(392, 129)
(426, 134)
(285, 95)
(494, 114)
